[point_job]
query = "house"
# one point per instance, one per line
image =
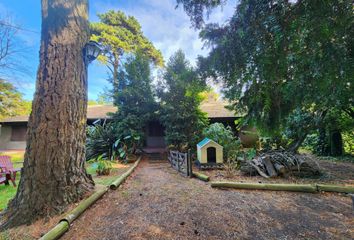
(13, 130)
(209, 152)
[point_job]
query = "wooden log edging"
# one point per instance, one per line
(201, 176)
(116, 183)
(64, 223)
(312, 188)
(335, 188)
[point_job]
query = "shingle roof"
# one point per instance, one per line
(213, 108)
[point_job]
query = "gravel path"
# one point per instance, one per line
(158, 203)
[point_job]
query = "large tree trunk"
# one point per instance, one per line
(336, 143)
(53, 174)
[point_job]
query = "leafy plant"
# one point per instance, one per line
(126, 146)
(225, 137)
(250, 153)
(100, 140)
(104, 166)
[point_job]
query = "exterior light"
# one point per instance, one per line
(91, 51)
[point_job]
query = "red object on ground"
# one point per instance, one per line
(2, 178)
(7, 167)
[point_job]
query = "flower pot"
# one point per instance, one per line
(131, 158)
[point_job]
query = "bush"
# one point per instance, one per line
(225, 137)
(104, 140)
(100, 141)
(104, 166)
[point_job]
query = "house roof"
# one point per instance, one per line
(93, 112)
(216, 109)
(213, 108)
(205, 141)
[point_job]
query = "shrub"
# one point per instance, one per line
(225, 137)
(104, 166)
(100, 141)
(103, 140)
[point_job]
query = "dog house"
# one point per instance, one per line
(209, 153)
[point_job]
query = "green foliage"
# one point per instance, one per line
(196, 9)
(134, 98)
(276, 57)
(127, 145)
(348, 139)
(250, 153)
(179, 92)
(100, 141)
(106, 142)
(120, 34)
(11, 101)
(103, 166)
(225, 137)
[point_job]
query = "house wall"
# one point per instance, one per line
(204, 156)
(5, 140)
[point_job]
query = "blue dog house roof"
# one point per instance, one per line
(204, 142)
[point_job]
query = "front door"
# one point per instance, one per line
(155, 135)
(211, 155)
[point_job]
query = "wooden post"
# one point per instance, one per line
(189, 164)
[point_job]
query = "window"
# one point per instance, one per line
(18, 133)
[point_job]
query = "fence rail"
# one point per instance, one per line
(181, 162)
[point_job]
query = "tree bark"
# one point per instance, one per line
(336, 143)
(53, 174)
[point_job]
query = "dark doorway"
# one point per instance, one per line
(155, 135)
(211, 155)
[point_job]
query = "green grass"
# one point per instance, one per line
(7, 192)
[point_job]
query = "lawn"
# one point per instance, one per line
(8, 192)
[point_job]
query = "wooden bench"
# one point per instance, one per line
(8, 169)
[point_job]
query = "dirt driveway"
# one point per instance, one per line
(157, 203)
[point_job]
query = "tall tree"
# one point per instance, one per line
(180, 94)
(11, 101)
(120, 34)
(278, 59)
(134, 98)
(53, 174)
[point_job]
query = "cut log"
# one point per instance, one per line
(286, 187)
(263, 174)
(335, 188)
(274, 163)
(263, 186)
(116, 183)
(280, 168)
(201, 176)
(57, 231)
(269, 167)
